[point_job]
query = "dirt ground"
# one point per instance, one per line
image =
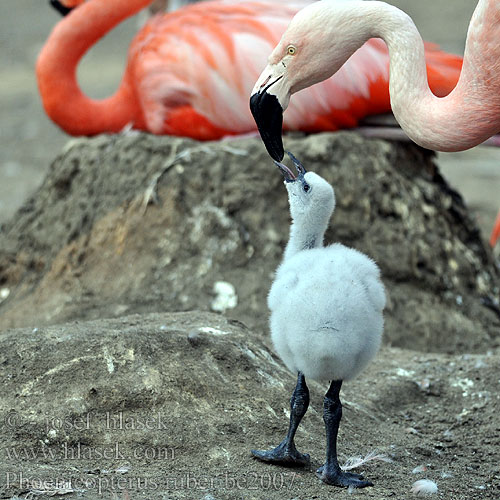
(89, 245)
(168, 406)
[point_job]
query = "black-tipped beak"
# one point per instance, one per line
(268, 115)
(60, 7)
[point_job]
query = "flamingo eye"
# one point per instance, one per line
(291, 50)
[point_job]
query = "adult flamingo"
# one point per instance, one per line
(322, 37)
(190, 72)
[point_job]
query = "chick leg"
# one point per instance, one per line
(330, 472)
(286, 453)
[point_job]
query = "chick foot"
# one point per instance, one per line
(336, 477)
(284, 454)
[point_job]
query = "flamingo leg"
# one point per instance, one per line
(286, 453)
(330, 472)
(495, 233)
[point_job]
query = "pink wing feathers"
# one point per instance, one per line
(194, 70)
(197, 66)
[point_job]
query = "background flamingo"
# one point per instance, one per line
(495, 233)
(189, 72)
(322, 37)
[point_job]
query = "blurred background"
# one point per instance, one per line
(29, 141)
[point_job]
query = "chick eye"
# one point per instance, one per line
(306, 187)
(291, 50)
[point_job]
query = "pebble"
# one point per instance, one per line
(225, 297)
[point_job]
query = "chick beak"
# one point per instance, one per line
(287, 173)
(297, 164)
(268, 115)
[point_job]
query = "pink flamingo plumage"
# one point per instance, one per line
(189, 72)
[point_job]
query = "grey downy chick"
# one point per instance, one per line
(326, 316)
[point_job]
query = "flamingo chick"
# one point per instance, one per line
(322, 37)
(326, 317)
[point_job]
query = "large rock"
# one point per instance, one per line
(138, 223)
(169, 405)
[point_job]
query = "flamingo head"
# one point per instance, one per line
(315, 45)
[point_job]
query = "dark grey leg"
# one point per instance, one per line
(286, 453)
(330, 472)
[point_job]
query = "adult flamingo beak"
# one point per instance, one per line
(268, 101)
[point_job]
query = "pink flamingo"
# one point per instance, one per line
(190, 72)
(322, 37)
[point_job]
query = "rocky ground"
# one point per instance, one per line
(131, 227)
(168, 406)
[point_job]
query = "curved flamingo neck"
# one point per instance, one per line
(470, 114)
(61, 95)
